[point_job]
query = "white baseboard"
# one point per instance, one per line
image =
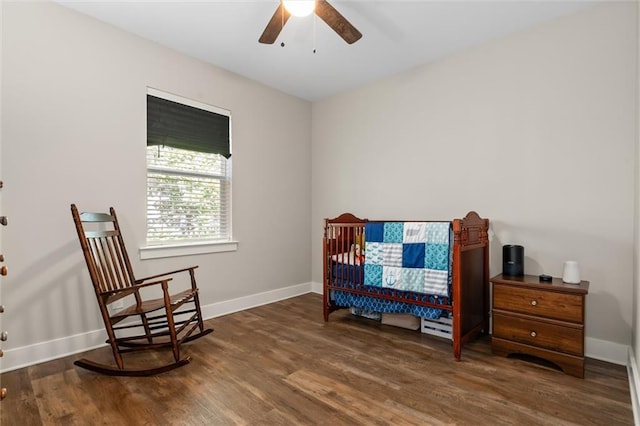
(316, 287)
(634, 384)
(58, 348)
(52, 349)
(247, 302)
(604, 350)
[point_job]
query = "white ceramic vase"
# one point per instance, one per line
(571, 274)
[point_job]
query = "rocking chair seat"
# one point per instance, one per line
(152, 305)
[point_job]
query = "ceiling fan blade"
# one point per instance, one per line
(275, 25)
(337, 22)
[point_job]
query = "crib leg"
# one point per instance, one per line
(325, 306)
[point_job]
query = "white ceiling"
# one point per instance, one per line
(397, 35)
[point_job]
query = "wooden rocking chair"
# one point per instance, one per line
(166, 321)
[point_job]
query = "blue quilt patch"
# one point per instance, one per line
(373, 275)
(437, 256)
(393, 232)
(413, 279)
(413, 255)
(374, 232)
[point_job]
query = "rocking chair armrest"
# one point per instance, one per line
(141, 280)
(113, 295)
(116, 294)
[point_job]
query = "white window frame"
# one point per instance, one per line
(185, 248)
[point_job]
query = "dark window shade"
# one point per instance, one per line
(185, 127)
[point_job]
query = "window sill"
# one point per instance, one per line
(173, 250)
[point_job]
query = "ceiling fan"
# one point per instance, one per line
(322, 9)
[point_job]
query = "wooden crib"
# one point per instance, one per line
(466, 304)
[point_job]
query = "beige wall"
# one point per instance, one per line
(74, 130)
(535, 131)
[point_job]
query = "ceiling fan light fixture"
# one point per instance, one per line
(322, 9)
(299, 7)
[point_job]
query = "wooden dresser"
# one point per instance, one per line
(545, 320)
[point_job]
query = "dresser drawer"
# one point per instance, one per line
(548, 304)
(539, 333)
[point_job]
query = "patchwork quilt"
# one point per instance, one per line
(409, 256)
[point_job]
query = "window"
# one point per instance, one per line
(188, 172)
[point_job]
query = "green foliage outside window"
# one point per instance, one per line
(187, 196)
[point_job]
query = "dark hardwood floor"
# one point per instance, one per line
(281, 364)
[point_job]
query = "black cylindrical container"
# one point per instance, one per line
(512, 260)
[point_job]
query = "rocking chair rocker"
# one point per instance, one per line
(166, 321)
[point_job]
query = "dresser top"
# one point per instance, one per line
(533, 281)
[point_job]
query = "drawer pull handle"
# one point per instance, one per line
(3, 270)
(1, 309)
(3, 220)
(3, 393)
(534, 334)
(4, 336)
(534, 302)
